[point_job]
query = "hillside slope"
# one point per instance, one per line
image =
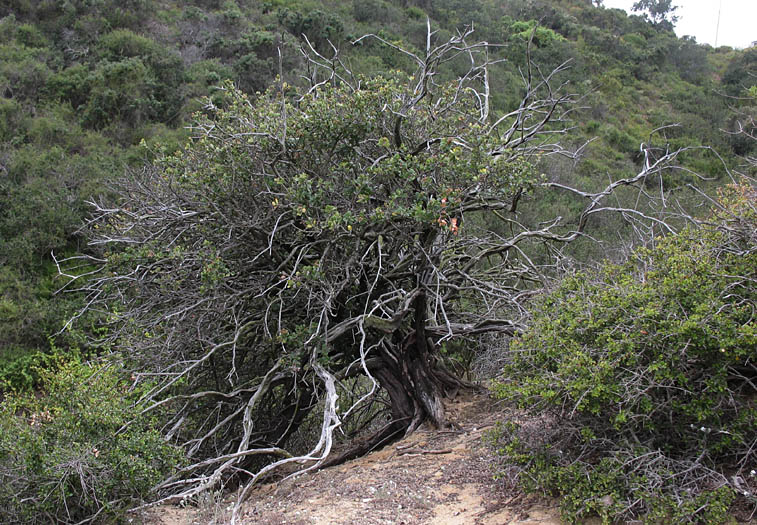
(93, 90)
(90, 89)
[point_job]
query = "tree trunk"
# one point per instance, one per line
(410, 374)
(416, 383)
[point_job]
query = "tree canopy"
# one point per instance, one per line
(660, 12)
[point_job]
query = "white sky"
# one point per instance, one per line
(738, 20)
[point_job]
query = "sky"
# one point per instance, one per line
(699, 18)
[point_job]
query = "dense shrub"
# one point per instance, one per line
(319, 27)
(79, 453)
(23, 71)
(142, 68)
(643, 376)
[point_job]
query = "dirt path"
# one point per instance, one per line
(430, 478)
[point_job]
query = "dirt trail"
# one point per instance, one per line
(429, 478)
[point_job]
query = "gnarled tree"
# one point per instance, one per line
(312, 248)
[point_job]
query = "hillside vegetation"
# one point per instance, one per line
(99, 104)
(90, 88)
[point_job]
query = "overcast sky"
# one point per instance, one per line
(738, 20)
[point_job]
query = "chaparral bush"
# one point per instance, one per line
(79, 451)
(643, 380)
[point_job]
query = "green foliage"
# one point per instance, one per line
(531, 30)
(10, 118)
(20, 368)
(82, 82)
(318, 26)
(90, 86)
(645, 373)
(80, 451)
(70, 85)
(23, 70)
(370, 11)
(341, 196)
(137, 81)
(613, 487)
(660, 12)
(27, 316)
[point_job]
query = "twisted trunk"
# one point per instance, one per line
(416, 382)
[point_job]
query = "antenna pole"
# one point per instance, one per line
(717, 28)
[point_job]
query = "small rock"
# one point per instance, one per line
(606, 500)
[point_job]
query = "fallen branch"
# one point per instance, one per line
(420, 452)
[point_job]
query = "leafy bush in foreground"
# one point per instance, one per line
(79, 453)
(644, 378)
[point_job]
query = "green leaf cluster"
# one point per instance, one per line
(345, 170)
(652, 358)
(79, 449)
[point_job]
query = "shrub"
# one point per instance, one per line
(20, 367)
(644, 376)
(23, 71)
(320, 27)
(121, 91)
(71, 84)
(10, 118)
(79, 453)
(525, 31)
(375, 11)
(156, 74)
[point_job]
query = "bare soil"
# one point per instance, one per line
(432, 477)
